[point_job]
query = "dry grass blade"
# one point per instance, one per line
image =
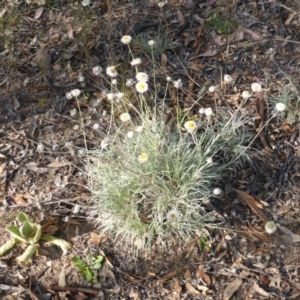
(253, 204)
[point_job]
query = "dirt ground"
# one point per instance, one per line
(44, 49)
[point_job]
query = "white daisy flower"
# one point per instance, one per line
(256, 87)
(124, 117)
(130, 134)
(141, 86)
(86, 2)
(96, 126)
(114, 81)
(161, 4)
(75, 93)
(111, 71)
(211, 89)
(202, 111)
(110, 96)
(76, 209)
(208, 111)
(209, 160)
(136, 61)
(218, 192)
(97, 70)
(143, 157)
(126, 39)
(69, 95)
(280, 107)
(80, 78)
(245, 94)
(129, 82)
(120, 95)
(169, 78)
(270, 227)
(190, 126)
(227, 78)
(139, 129)
(73, 112)
(172, 215)
(177, 84)
(151, 43)
(142, 77)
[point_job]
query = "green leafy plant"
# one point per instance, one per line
(30, 234)
(221, 24)
(88, 267)
(202, 242)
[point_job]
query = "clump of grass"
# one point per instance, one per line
(290, 97)
(150, 180)
(161, 44)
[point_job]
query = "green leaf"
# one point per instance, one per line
(89, 274)
(99, 259)
(97, 266)
(28, 229)
(89, 258)
(15, 232)
(38, 233)
(24, 258)
(21, 217)
(56, 241)
(8, 245)
(79, 263)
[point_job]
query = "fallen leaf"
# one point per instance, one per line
(57, 164)
(164, 60)
(49, 228)
(187, 274)
(38, 12)
(97, 238)
(295, 237)
(231, 288)
(191, 289)
(253, 204)
(177, 287)
(20, 201)
(172, 274)
(261, 291)
(200, 274)
(180, 17)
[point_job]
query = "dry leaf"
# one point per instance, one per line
(177, 287)
(187, 274)
(38, 12)
(260, 290)
(20, 201)
(172, 274)
(191, 289)
(231, 288)
(200, 274)
(97, 238)
(49, 228)
(164, 60)
(180, 17)
(295, 237)
(2, 167)
(57, 164)
(237, 261)
(253, 204)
